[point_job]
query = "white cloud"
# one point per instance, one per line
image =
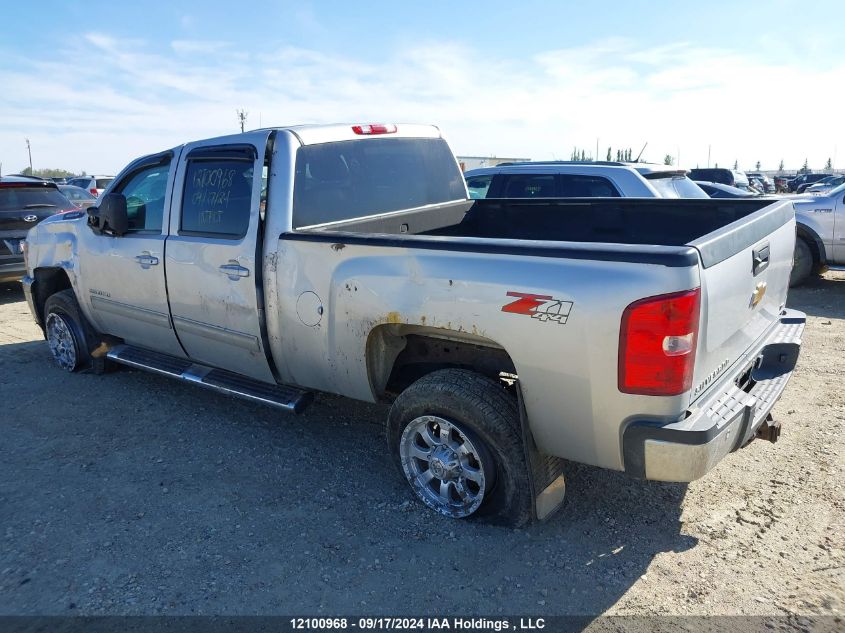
(190, 47)
(675, 96)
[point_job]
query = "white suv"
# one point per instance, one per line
(562, 179)
(95, 185)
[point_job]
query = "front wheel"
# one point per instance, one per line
(68, 334)
(802, 263)
(456, 437)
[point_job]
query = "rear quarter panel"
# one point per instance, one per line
(567, 370)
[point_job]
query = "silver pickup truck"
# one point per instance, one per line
(821, 233)
(642, 335)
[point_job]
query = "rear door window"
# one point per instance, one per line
(217, 200)
(353, 179)
(526, 186)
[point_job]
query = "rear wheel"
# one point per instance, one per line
(455, 435)
(802, 263)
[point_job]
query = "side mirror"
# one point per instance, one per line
(110, 216)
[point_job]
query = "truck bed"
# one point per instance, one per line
(615, 221)
(645, 230)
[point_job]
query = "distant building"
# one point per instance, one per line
(474, 162)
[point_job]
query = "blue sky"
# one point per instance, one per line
(94, 84)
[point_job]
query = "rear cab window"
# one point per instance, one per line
(353, 179)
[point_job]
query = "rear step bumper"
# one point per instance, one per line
(719, 423)
(280, 396)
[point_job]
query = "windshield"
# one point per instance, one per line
(76, 193)
(674, 186)
(17, 198)
(353, 179)
(837, 190)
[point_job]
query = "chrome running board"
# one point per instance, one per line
(291, 399)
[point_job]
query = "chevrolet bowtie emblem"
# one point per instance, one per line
(758, 294)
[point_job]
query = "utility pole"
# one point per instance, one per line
(708, 156)
(242, 115)
(29, 149)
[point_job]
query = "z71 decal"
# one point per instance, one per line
(541, 307)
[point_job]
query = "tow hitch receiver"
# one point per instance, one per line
(769, 430)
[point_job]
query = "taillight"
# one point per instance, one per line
(93, 192)
(375, 128)
(657, 343)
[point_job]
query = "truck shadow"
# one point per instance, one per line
(209, 504)
(10, 292)
(822, 296)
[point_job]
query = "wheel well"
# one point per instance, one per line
(398, 356)
(48, 281)
(813, 242)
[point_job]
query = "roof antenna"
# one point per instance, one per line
(637, 159)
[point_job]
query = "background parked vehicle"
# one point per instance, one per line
(79, 196)
(799, 183)
(825, 184)
(820, 234)
(24, 202)
(718, 190)
(732, 177)
(756, 185)
(768, 184)
(570, 179)
(95, 185)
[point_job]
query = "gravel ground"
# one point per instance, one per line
(133, 494)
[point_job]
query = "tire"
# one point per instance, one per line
(70, 337)
(482, 460)
(802, 264)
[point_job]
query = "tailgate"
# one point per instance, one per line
(744, 283)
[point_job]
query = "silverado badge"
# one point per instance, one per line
(757, 295)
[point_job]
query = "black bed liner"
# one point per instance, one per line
(666, 232)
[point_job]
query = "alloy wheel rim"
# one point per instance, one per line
(446, 468)
(61, 341)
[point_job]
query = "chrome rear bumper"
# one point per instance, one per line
(722, 421)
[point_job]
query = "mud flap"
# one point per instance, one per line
(545, 472)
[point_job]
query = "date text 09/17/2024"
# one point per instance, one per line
(418, 624)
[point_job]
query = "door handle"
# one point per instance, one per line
(233, 270)
(146, 259)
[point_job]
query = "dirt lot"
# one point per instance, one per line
(132, 494)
